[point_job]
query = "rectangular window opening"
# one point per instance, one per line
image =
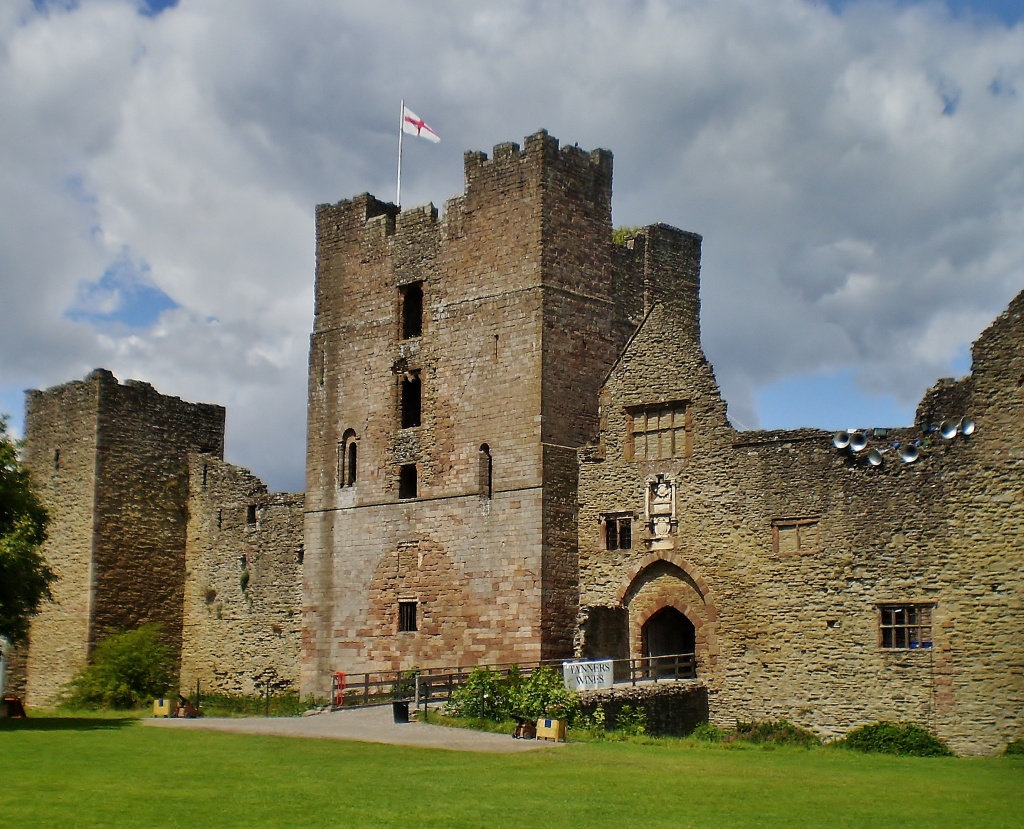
(660, 431)
(250, 515)
(407, 616)
(792, 536)
(905, 626)
(411, 301)
(407, 484)
(411, 401)
(618, 532)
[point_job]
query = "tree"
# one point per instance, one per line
(25, 578)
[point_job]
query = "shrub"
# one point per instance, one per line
(489, 696)
(774, 732)
(127, 670)
(484, 695)
(632, 721)
(1015, 747)
(541, 694)
(895, 738)
(707, 733)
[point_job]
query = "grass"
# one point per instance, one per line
(114, 772)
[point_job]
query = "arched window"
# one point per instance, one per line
(486, 471)
(348, 463)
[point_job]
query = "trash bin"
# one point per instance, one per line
(400, 708)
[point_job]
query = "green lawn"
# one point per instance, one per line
(72, 773)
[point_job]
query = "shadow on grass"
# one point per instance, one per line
(66, 723)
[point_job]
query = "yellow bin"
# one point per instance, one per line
(163, 708)
(551, 730)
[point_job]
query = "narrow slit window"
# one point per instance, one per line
(411, 301)
(486, 472)
(348, 464)
(250, 515)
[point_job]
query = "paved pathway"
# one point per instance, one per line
(368, 725)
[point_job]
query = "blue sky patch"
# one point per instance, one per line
(1008, 12)
(828, 401)
(147, 8)
(123, 297)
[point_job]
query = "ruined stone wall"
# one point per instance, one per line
(243, 582)
(60, 452)
(110, 462)
(784, 549)
(144, 438)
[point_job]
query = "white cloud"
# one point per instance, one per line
(858, 179)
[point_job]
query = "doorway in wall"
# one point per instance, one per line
(667, 633)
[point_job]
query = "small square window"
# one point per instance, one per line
(618, 532)
(905, 626)
(793, 536)
(407, 483)
(407, 616)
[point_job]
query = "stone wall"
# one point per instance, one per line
(781, 551)
(526, 304)
(110, 464)
(243, 582)
(671, 709)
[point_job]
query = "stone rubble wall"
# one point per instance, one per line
(671, 709)
(794, 633)
(243, 582)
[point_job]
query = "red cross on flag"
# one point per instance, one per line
(414, 125)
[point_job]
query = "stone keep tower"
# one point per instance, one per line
(110, 462)
(454, 371)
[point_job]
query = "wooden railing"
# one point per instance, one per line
(437, 684)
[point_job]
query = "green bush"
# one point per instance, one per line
(895, 738)
(484, 695)
(773, 732)
(1015, 747)
(707, 733)
(487, 695)
(127, 670)
(632, 721)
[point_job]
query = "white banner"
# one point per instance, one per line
(589, 675)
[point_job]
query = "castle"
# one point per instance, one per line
(518, 451)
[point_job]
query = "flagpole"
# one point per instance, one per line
(401, 129)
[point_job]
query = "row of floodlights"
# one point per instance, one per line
(856, 440)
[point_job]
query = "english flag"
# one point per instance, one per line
(414, 125)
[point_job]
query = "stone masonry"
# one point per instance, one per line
(458, 362)
(517, 450)
(812, 584)
(110, 462)
(243, 582)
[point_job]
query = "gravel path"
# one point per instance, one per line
(368, 725)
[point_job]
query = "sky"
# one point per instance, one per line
(856, 169)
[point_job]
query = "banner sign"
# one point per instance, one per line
(588, 676)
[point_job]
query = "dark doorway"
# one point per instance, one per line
(667, 632)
